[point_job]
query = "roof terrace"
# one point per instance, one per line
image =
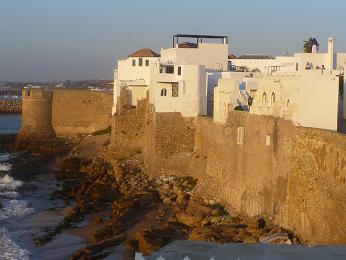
(199, 39)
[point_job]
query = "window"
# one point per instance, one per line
(240, 135)
(288, 103)
(267, 140)
(147, 63)
(170, 69)
(163, 92)
(179, 70)
(264, 99)
(133, 63)
(161, 69)
(140, 62)
(175, 90)
(273, 98)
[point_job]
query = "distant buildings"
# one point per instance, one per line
(200, 78)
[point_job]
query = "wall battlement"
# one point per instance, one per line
(37, 93)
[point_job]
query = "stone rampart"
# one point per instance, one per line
(257, 165)
(36, 115)
(262, 165)
(48, 113)
(80, 111)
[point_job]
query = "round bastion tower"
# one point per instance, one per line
(36, 115)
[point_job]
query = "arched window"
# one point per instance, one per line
(264, 98)
(273, 98)
(163, 92)
(288, 103)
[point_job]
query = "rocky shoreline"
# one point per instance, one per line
(115, 202)
(10, 106)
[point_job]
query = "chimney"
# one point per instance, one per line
(331, 53)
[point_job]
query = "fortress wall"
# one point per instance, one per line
(299, 179)
(316, 195)
(127, 136)
(249, 177)
(295, 176)
(36, 115)
(80, 111)
(170, 140)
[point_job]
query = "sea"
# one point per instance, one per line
(26, 207)
(12, 206)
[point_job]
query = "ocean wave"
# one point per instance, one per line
(9, 194)
(8, 183)
(14, 209)
(9, 250)
(5, 167)
(4, 157)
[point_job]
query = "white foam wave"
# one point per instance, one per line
(4, 157)
(9, 194)
(15, 209)
(5, 167)
(8, 183)
(9, 250)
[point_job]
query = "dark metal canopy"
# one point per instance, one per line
(199, 37)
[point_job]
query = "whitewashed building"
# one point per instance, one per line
(309, 99)
(303, 88)
(134, 73)
(298, 62)
(178, 80)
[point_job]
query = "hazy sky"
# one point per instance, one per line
(82, 39)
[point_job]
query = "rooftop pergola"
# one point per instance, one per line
(199, 38)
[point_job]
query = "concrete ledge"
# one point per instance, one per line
(202, 250)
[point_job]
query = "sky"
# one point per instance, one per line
(58, 40)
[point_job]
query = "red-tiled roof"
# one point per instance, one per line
(146, 52)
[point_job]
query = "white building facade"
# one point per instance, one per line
(178, 79)
(192, 79)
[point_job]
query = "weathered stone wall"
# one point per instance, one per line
(298, 179)
(127, 133)
(10, 106)
(170, 140)
(80, 111)
(293, 175)
(64, 112)
(37, 115)
(316, 195)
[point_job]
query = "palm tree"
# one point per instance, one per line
(308, 45)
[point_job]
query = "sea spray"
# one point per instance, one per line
(9, 250)
(12, 208)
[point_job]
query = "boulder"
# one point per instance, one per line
(189, 219)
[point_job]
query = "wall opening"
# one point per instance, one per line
(170, 69)
(273, 98)
(288, 103)
(264, 99)
(267, 140)
(240, 135)
(179, 70)
(163, 92)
